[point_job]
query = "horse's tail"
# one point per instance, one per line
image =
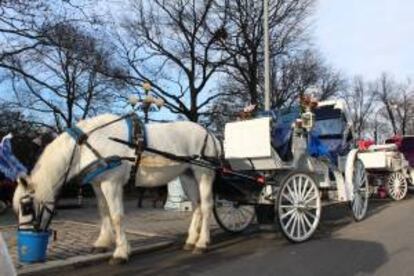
(212, 147)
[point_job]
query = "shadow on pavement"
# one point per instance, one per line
(325, 257)
(318, 257)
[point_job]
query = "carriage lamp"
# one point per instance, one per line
(308, 119)
(298, 123)
(308, 103)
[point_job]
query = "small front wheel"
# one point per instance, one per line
(232, 216)
(298, 207)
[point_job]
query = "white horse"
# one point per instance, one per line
(179, 138)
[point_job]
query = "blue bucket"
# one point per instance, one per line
(32, 246)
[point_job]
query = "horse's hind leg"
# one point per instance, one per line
(205, 179)
(113, 194)
(106, 237)
(194, 230)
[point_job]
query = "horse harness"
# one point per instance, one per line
(136, 140)
(136, 136)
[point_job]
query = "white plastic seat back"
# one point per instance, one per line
(247, 139)
(247, 145)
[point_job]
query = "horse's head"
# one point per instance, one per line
(31, 212)
(24, 189)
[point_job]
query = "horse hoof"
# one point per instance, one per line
(200, 250)
(188, 247)
(117, 261)
(98, 250)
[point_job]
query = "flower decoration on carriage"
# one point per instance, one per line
(247, 112)
(308, 102)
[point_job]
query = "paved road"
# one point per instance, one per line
(383, 244)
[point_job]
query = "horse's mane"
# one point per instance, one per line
(51, 166)
(49, 171)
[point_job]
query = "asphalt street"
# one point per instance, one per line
(382, 244)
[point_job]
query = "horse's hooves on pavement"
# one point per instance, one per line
(188, 247)
(98, 250)
(117, 261)
(200, 250)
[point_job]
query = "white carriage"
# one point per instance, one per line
(389, 166)
(298, 162)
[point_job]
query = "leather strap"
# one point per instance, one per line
(140, 141)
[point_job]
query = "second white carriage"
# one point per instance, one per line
(389, 166)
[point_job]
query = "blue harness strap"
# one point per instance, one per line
(76, 133)
(96, 168)
(101, 165)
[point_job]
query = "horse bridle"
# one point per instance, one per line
(38, 221)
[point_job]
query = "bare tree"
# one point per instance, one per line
(292, 77)
(403, 106)
(387, 90)
(287, 24)
(22, 23)
(175, 45)
(61, 77)
(360, 98)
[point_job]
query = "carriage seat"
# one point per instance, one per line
(281, 140)
(386, 147)
(330, 146)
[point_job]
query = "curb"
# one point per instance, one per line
(90, 259)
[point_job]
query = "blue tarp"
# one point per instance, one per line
(10, 166)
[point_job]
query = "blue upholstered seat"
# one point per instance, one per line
(326, 139)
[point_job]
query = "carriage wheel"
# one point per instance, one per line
(397, 186)
(298, 207)
(232, 216)
(359, 203)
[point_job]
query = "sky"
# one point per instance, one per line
(367, 37)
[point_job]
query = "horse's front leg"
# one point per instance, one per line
(206, 206)
(113, 195)
(106, 236)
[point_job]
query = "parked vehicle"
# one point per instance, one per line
(390, 166)
(299, 160)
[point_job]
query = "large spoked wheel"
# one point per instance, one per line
(397, 186)
(298, 207)
(359, 203)
(232, 216)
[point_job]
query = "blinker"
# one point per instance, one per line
(27, 207)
